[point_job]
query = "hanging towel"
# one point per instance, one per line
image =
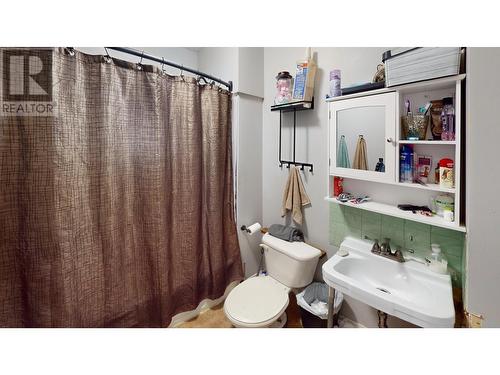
(294, 196)
(342, 154)
(360, 161)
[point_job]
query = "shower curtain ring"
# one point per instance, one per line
(71, 51)
(163, 66)
(107, 58)
(139, 64)
(201, 78)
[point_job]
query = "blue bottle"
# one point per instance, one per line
(406, 164)
(380, 167)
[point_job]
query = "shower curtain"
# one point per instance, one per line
(118, 210)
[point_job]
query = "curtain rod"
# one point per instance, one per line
(143, 55)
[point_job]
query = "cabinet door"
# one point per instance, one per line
(362, 134)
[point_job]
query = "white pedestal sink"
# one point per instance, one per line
(409, 290)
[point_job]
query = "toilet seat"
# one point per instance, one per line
(257, 302)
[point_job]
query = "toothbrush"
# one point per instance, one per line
(427, 107)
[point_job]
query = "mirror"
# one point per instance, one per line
(361, 138)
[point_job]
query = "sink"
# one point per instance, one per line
(409, 290)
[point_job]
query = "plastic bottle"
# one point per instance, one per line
(437, 262)
(335, 89)
(380, 167)
(448, 120)
(406, 164)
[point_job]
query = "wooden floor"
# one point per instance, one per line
(215, 317)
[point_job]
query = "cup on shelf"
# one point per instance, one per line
(414, 127)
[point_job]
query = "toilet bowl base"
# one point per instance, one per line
(280, 322)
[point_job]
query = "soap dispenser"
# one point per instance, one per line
(437, 262)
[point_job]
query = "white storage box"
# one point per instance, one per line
(419, 64)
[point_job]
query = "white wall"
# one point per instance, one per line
(357, 65)
(222, 62)
(482, 294)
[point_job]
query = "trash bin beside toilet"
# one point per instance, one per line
(313, 301)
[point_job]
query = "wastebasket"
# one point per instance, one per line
(313, 301)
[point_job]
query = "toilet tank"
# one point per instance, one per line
(291, 263)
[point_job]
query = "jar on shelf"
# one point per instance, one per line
(283, 88)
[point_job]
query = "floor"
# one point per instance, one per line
(215, 318)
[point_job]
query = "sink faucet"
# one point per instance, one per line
(385, 250)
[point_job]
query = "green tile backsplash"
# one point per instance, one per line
(405, 234)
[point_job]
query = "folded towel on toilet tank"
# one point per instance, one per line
(286, 233)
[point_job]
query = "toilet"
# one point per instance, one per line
(261, 301)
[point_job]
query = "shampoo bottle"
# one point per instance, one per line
(303, 87)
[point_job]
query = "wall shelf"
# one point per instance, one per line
(433, 187)
(293, 107)
(387, 209)
(434, 143)
(432, 84)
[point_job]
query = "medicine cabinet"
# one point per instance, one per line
(376, 118)
(364, 127)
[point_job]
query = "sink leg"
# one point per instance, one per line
(331, 300)
(382, 319)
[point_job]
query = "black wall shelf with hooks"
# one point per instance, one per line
(293, 107)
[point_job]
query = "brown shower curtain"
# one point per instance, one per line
(118, 210)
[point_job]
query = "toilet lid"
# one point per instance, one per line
(256, 300)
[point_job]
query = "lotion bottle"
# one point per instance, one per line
(437, 262)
